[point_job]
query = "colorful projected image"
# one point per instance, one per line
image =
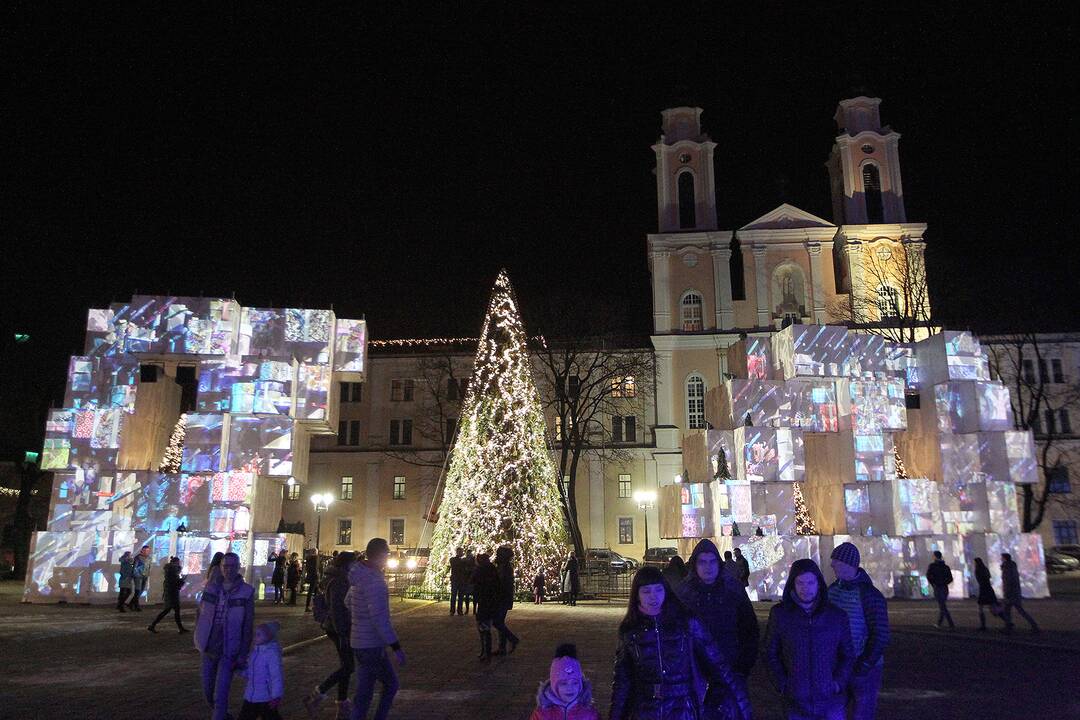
(995, 410)
(764, 403)
(313, 391)
(261, 443)
(202, 444)
(350, 345)
(262, 332)
(812, 405)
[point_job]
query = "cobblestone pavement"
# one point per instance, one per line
(92, 662)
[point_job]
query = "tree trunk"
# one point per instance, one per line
(575, 529)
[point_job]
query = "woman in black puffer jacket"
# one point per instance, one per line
(666, 660)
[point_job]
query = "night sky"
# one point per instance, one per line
(390, 162)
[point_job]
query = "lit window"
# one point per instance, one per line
(346, 487)
(397, 531)
(888, 302)
(566, 485)
(293, 491)
(559, 428)
(695, 402)
(691, 312)
(624, 387)
(626, 531)
(399, 487)
(344, 531)
(625, 486)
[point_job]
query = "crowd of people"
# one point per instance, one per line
(687, 643)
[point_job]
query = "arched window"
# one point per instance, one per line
(871, 181)
(888, 302)
(735, 267)
(687, 203)
(691, 312)
(789, 293)
(695, 402)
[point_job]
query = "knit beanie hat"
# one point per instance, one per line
(846, 553)
(563, 668)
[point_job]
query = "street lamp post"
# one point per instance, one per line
(645, 499)
(322, 504)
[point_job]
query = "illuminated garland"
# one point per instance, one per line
(501, 484)
(431, 342)
(901, 471)
(804, 524)
(174, 453)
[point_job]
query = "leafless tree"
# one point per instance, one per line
(1019, 361)
(893, 297)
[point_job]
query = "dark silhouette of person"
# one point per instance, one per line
(939, 575)
(171, 595)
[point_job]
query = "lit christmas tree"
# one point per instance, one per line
(722, 470)
(804, 524)
(174, 453)
(501, 486)
(901, 471)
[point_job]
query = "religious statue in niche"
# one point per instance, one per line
(789, 294)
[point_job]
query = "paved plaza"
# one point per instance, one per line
(92, 662)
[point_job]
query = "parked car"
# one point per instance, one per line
(602, 560)
(659, 556)
(1058, 562)
(1071, 550)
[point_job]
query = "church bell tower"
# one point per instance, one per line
(864, 167)
(685, 191)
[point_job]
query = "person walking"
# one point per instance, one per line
(724, 608)
(140, 577)
(224, 632)
(808, 647)
(458, 578)
(504, 564)
(538, 588)
(337, 627)
(370, 631)
(311, 576)
(127, 567)
(265, 675)
(743, 566)
(571, 579)
(1010, 588)
(675, 572)
(868, 615)
(292, 577)
(485, 583)
(277, 579)
(939, 575)
(730, 568)
(667, 663)
(171, 595)
(986, 597)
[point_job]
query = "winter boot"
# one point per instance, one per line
(485, 645)
(313, 701)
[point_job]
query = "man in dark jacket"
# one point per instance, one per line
(744, 568)
(311, 577)
(172, 584)
(458, 577)
(939, 575)
(723, 606)
(808, 647)
(868, 615)
(1010, 587)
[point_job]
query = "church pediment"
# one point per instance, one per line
(785, 217)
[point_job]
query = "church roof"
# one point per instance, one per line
(786, 216)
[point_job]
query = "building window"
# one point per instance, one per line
(695, 402)
(187, 378)
(912, 401)
(573, 386)
(1057, 480)
(1065, 532)
(559, 428)
(625, 487)
(624, 387)
(691, 312)
(888, 302)
(1029, 372)
(354, 432)
(875, 212)
(623, 428)
(344, 531)
(566, 485)
(397, 531)
(1044, 374)
(346, 487)
(451, 428)
(735, 268)
(401, 432)
(452, 390)
(1063, 422)
(292, 492)
(351, 392)
(1050, 424)
(401, 390)
(1036, 424)
(399, 487)
(687, 202)
(343, 432)
(1055, 365)
(616, 429)
(626, 531)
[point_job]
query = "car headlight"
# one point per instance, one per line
(410, 563)
(392, 563)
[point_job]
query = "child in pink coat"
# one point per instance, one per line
(566, 695)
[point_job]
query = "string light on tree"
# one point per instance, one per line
(901, 471)
(501, 485)
(804, 524)
(174, 453)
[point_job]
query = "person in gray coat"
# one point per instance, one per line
(127, 566)
(1010, 587)
(371, 632)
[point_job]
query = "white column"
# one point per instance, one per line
(725, 310)
(856, 272)
(664, 388)
(371, 505)
(915, 252)
(597, 527)
(760, 273)
(661, 292)
(817, 282)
